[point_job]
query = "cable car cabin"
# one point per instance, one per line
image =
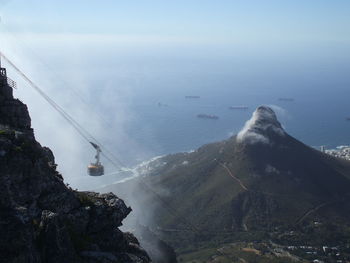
(96, 169)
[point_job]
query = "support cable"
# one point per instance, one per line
(80, 129)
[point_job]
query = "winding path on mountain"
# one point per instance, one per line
(309, 212)
(234, 177)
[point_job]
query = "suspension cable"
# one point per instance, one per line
(88, 137)
(80, 129)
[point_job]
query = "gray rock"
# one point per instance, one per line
(41, 219)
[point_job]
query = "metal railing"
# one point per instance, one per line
(11, 83)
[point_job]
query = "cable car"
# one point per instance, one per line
(96, 168)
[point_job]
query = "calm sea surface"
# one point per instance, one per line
(168, 123)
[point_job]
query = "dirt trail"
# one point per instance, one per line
(234, 177)
(312, 211)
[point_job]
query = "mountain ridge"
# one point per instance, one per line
(248, 185)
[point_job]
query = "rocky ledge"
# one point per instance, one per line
(42, 219)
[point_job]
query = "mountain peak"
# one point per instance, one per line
(261, 127)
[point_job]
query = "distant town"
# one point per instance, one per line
(340, 152)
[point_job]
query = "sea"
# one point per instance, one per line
(167, 122)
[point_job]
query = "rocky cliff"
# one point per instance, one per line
(43, 220)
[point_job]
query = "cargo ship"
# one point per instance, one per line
(238, 107)
(285, 99)
(207, 116)
(192, 97)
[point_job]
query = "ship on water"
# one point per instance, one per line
(192, 97)
(238, 107)
(207, 116)
(286, 99)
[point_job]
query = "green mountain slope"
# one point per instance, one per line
(244, 187)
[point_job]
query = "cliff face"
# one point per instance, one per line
(41, 219)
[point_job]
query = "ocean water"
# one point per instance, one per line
(316, 116)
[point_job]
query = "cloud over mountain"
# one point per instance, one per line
(260, 126)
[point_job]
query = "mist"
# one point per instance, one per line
(103, 82)
(99, 104)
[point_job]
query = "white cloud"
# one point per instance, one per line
(262, 119)
(280, 112)
(249, 136)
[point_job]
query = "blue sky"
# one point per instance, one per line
(224, 21)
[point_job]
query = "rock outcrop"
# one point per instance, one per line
(43, 220)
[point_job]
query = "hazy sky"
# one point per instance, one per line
(222, 22)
